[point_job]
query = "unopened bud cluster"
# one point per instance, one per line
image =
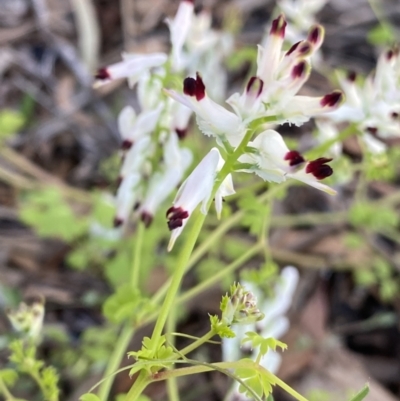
(240, 307)
(28, 319)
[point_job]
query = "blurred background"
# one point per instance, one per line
(58, 152)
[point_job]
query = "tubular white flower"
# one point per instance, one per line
(269, 54)
(273, 161)
(132, 127)
(127, 195)
(149, 89)
(301, 108)
(162, 183)
(132, 67)
(195, 190)
(135, 157)
(180, 116)
(213, 119)
(179, 28)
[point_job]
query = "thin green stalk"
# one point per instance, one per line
(187, 250)
(122, 343)
(188, 247)
(4, 390)
(225, 226)
(128, 329)
(136, 256)
(196, 344)
(177, 277)
(202, 249)
(172, 383)
(212, 280)
(140, 384)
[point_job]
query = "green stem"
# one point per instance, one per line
(196, 344)
(177, 277)
(4, 390)
(224, 366)
(140, 384)
(189, 245)
(128, 329)
(122, 343)
(136, 257)
(212, 280)
(172, 384)
(187, 250)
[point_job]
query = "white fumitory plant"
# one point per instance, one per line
(372, 104)
(275, 324)
(269, 98)
(144, 182)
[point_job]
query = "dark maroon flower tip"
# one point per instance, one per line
(194, 87)
(332, 99)
(299, 70)
(372, 130)
(278, 26)
(255, 85)
(294, 157)
(102, 74)
(389, 54)
(351, 76)
(319, 169)
(126, 144)
(118, 222)
(394, 115)
(146, 218)
(315, 34)
(293, 48)
(181, 132)
(175, 216)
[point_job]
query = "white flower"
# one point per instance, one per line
(272, 93)
(180, 116)
(162, 183)
(149, 89)
(327, 132)
(132, 127)
(273, 161)
(213, 119)
(374, 105)
(179, 28)
(195, 190)
(132, 67)
(135, 157)
(301, 14)
(128, 194)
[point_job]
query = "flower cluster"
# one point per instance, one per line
(153, 163)
(28, 319)
(275, 324)
(372, 104)
(301, 14)
(270, 98)
(240, 307)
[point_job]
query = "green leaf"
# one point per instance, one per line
(382, 34)
(9, 376)
(126, 303)
(361, 394)
(51, 216)
(11, 121)
(117, 269)
(89, 397)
